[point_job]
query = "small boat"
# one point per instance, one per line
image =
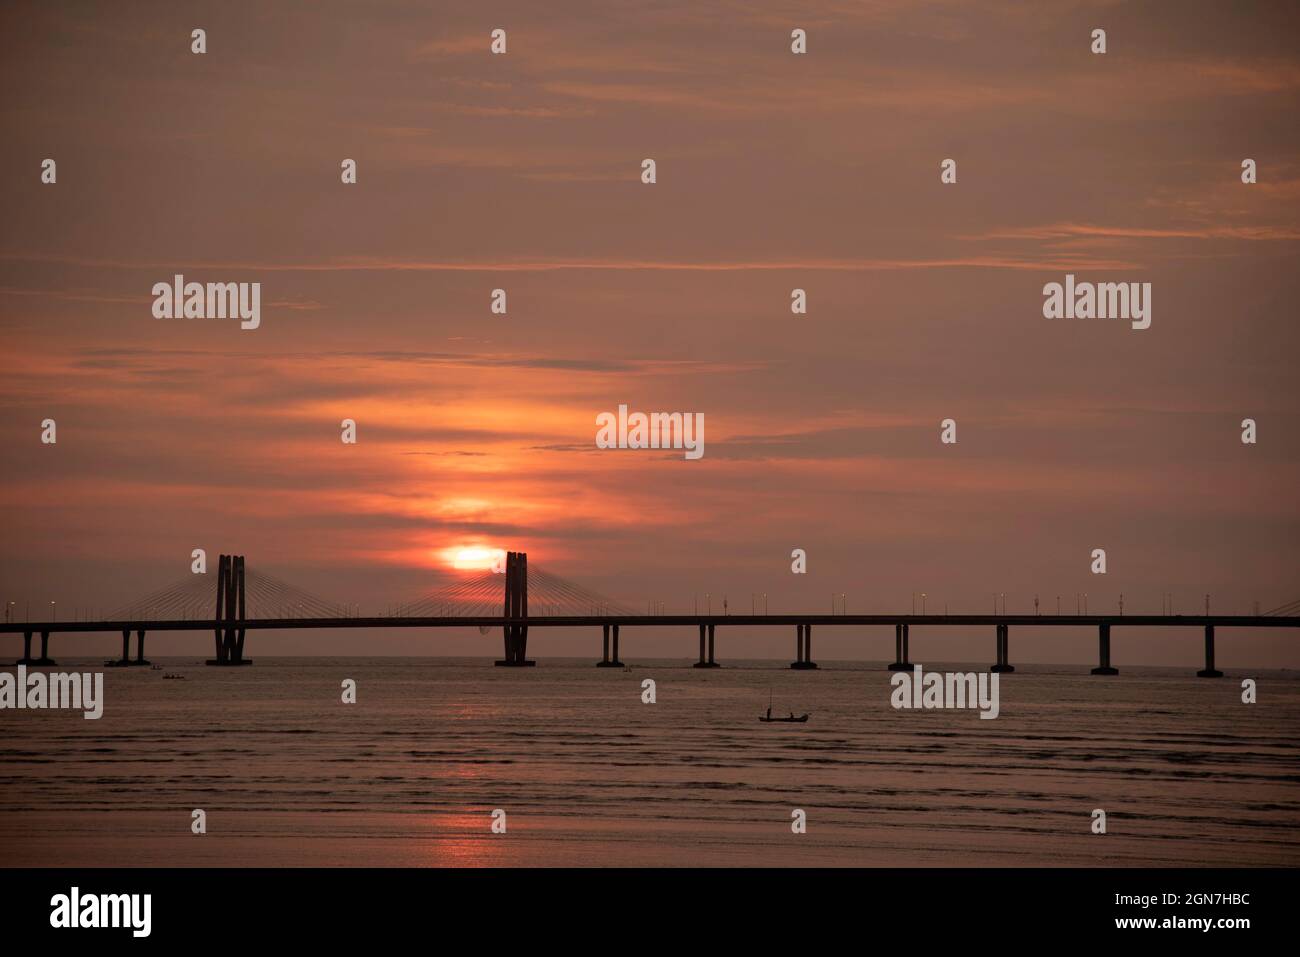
(174, 677)
(767, 718)
(156, 668)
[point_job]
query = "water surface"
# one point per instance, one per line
(589, 775)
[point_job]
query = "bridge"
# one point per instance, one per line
(247, 602)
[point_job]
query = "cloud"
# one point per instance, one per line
(1089, 231)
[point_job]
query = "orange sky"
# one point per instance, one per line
(775, 171)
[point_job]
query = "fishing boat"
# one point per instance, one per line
(768, 719)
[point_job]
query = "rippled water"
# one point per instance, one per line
(588, 774)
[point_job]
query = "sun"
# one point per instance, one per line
(474, 557)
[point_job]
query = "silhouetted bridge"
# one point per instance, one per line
(556, 604)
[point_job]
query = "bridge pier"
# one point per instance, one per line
(125, 660)
(139, 649)
(1209, 671)
(604, 649)
(901, 662)
(45, 658)
(26, 659)
(1103, 652)
(1003, 666)
(607, 661)
(803, 649)
(709, 662)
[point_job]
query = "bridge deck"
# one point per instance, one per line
(583, 621)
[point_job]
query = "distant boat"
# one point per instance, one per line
(767, 718)
(177, 677)
(156, 668)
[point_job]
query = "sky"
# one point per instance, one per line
(774, 171)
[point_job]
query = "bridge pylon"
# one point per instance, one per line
(516, 606)
(231, 609)
(27, 658)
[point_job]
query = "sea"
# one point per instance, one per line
(576, 766)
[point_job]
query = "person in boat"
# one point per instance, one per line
(791, 715)
(769, 712)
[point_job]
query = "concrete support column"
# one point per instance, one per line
(900, 651)
(616, 662)
(1209, 671)
(604, 648)
(1003, 666)
(1103, 652)
(807, 665)
(139, 648)
(706, 656)
(45, 650)
(26, 659)
(126, 646)
(804, 643)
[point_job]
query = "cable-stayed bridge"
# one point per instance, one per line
(517, 600)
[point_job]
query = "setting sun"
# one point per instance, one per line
(475, 557)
